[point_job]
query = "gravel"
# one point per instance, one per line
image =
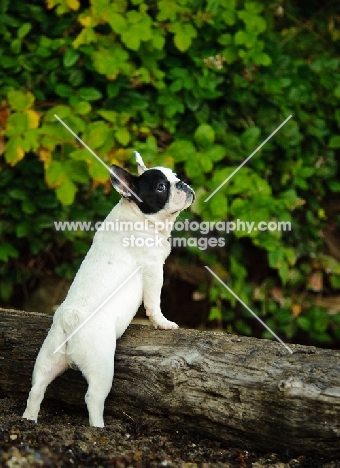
(62, 438)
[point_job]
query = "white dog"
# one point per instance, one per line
(121, 269)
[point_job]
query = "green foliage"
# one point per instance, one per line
(196, 84)
(31, 248)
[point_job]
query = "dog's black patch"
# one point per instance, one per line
(154, 189)
(123, 181)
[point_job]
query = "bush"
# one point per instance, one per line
(190, 83)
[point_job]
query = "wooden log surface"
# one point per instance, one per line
(247, 392)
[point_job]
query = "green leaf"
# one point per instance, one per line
(229, 16)
(19, 100)
(158, 39)
(334, 185)
(97, 134)
(184, 33)
(110, 116)
(123, 136)
(330, 264)
(17, 194)
(337, 92)
(304, 323)
(250, 137)
(334, 141)
(335, 281)
(6, 289)
(181, 150)
(76, 123)
(205, 162)
(66, 192)
(253, 22)
(82, 108)
(57, 132)
(7, 250)
(306, 172)
(253, 7)
(86, 36)
(55, 174)
(63, 90)
(113, 89)
(243, 37)
(110, 62)
(216, 153)
(212, 6)
(204, 136)
(82, 155)
(230, 54)
(321, 324)
(275, 258)
(15, 46)
(61, 111)
(218, 206)
(24, 30)
(283, 271)
(14, 150)
(215, 313)
(70, 57)
(76, 77)
(193, 168)
(23, 228)
(261, 58)
(117, 22)
(167, 10)
(98, 172)
(225, 39)
(16, 125)
(77, 171)
(89, 94)
(99, 7)
(8, 62)
(139, 29)
(120, 6)
(28, 207)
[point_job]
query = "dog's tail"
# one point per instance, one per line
(51, 354)
(65, 325)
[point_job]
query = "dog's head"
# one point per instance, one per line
(155, 191)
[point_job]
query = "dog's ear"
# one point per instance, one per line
(123, 181)
(140, 163)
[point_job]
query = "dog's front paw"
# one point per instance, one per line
(159, 321)
(166, 325)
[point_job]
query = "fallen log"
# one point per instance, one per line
(247, 392)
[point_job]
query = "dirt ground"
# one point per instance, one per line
(62, 438)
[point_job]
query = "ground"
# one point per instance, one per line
(62, 438)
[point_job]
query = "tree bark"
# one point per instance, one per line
(247, 392)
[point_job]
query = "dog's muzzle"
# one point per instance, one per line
(185, 188)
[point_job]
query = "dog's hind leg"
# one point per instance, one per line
(98, 372)
(47, 367)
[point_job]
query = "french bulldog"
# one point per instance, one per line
(115, 277)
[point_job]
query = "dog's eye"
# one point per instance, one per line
(160, 187)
